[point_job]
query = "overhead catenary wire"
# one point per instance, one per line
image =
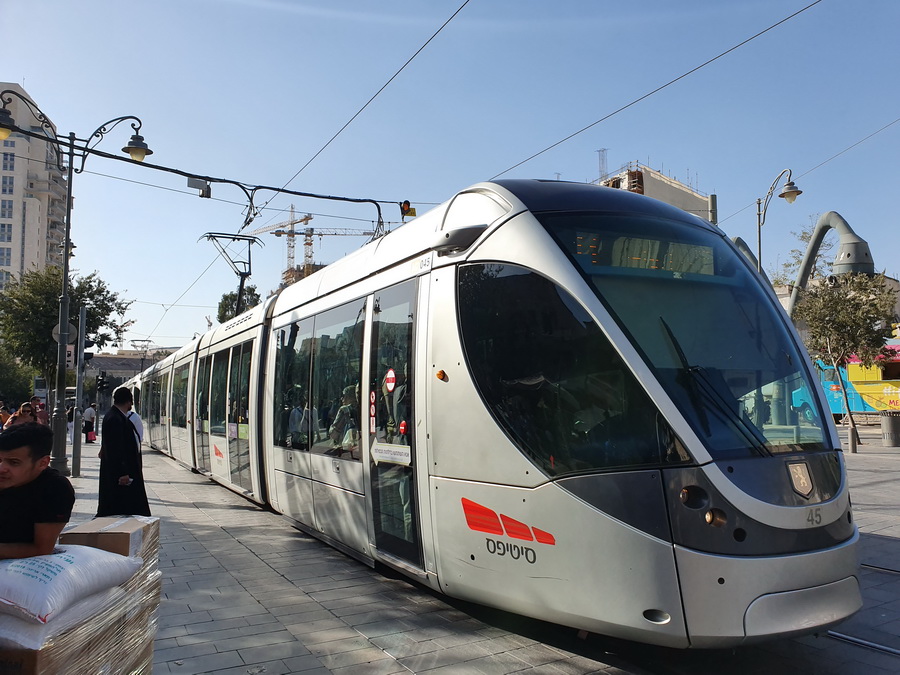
(657, 90)
(374, 96)
(820, 164)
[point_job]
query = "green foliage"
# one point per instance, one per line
(228, 303)
(851, 316)
(786, 273)
(30, 311)
(15, 379)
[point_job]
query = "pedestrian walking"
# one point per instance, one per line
(121, 489)
(40, 410)
(90, 416)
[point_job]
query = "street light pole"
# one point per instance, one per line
(138, 150)
(58, 421)
(789, 193)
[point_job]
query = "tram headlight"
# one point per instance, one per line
(716, 518)
(694, 497)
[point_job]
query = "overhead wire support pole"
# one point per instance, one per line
(240, 267)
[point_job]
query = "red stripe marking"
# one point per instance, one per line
(544, 537)
(481, 518)
(515, 529)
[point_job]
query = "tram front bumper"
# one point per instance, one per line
(730, 601)
(797, 612)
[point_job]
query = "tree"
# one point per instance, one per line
(849, 315)
(30, 311)
(16, 379)
(786, 274)
(228, 303)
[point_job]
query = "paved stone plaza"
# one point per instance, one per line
(245, 593)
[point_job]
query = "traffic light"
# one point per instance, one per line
(406, 211)
(70, 357)
(102, 384)
(88, 355)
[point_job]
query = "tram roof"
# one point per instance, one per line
(550, 195)
(417, 236)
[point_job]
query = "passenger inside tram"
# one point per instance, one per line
(303, 424)
(344, 431)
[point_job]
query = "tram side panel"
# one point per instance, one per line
(507, 537)
(224, 396)
(180, 424)
(316, 373)
(156, 431)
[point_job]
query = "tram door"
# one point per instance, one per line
(391, 424)
(201, 415)
(218, 409)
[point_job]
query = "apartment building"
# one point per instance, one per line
(32, 195)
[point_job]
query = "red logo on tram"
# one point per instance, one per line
(482, 519)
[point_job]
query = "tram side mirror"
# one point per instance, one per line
(457, 239)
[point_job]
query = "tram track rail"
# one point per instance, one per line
(860, 642)
(877, 568)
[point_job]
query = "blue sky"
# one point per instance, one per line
(251, 90)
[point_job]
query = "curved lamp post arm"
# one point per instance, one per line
(136, 147)
(765, 202)
(6, 97)
(789, 192)
(853, 254)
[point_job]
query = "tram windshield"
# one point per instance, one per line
(704, 325)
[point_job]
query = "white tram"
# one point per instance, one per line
(561, 400)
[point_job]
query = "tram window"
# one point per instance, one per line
(552, 379)
(337, 378)
(201, 427)
(179, 397)
(238, 426)
(294, 424)
(392, 329)
(391, 421)
(703, 322)
(218, 394)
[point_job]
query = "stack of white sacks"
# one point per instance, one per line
(82, 609)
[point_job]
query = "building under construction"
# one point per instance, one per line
(638, 178)
(288, 229)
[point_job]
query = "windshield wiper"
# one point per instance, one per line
(690, 376)
(688, 382)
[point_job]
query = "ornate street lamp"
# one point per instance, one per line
(81, 148)
(789, 193)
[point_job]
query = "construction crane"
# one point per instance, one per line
(287, 229)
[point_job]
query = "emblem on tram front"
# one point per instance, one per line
(800, 478)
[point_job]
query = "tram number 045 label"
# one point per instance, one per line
(814, 517)
(514, 551)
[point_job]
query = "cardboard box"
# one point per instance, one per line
(118, 639)
(125, 535)
(110, 642)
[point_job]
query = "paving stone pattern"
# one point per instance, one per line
(246, 593)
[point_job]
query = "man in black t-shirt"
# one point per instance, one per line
(35, 501)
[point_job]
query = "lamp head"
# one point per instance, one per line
(6, 123)
(137, 148)
(790, 192)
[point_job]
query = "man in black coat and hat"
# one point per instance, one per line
(122, 490)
